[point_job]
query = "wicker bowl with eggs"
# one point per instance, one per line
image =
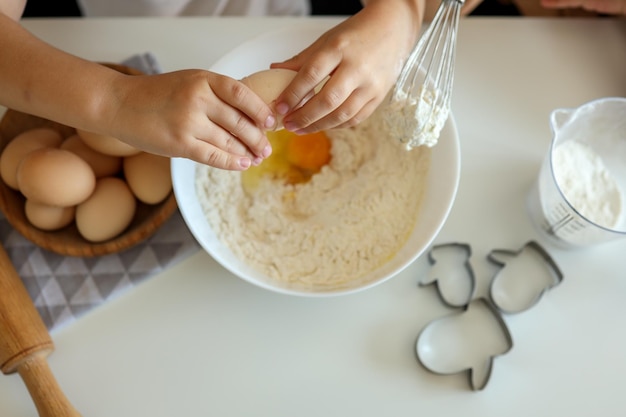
(115, 216)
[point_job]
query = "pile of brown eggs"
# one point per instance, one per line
(92, 180)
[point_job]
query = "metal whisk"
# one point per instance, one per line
(420, 101)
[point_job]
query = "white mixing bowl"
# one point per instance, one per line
(442, 181)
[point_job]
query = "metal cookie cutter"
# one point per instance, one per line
(466, 341)
(524, 276)
(451, 273)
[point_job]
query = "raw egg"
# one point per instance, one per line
(47, 217)
(107, 212)
(102, 165)
(55, 177)
(107, 145)
(309, 152)
(20, 146)
(294, 159)
(148, 176)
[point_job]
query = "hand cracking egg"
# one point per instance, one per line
(268, 84)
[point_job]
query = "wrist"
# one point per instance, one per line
(414, 8)
(412, 12)
(95, 101)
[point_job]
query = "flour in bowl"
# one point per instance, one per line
(347, 220)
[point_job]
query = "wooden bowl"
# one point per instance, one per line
(67, 241)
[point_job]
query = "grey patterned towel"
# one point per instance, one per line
(64, 288)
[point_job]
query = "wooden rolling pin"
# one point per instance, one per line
(25, 344)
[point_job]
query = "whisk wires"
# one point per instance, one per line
(425, 82)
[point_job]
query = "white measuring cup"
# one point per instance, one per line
(579, 198)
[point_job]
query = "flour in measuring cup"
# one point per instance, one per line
(587, 184)
(415, 121)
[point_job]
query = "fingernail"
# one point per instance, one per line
(290, 126)
(282, 108)
(270, 122)
(257, 161)
(267, 151)
(244, 162)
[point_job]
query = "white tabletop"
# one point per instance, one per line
(196, 341)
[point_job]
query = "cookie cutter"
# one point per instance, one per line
(442, 346)
(442, 273)
(466, 341)
(524, 276)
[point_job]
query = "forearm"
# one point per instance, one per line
(207, 117)
(412, 10)
(416, 6)
(39, 79)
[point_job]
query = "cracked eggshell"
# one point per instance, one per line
(268, 84)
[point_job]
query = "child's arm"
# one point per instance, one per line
(207, 117)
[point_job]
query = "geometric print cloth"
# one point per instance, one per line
(64, 288)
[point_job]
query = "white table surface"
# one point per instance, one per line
(196, 341)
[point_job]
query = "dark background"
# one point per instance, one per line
(68, 8)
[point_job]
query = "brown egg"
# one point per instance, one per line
(107, 212)
(269, 83)
(55, 177)
(102, 165)
(148, 177)
(20, 146)
(107, 145)
(47, 217)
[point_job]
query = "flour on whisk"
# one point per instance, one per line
(415, 121)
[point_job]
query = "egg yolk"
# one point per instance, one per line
(294, 159)
(309, 152)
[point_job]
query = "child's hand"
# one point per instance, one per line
(363, 56)
(195, 114)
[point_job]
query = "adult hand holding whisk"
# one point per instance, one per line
(420, 102)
